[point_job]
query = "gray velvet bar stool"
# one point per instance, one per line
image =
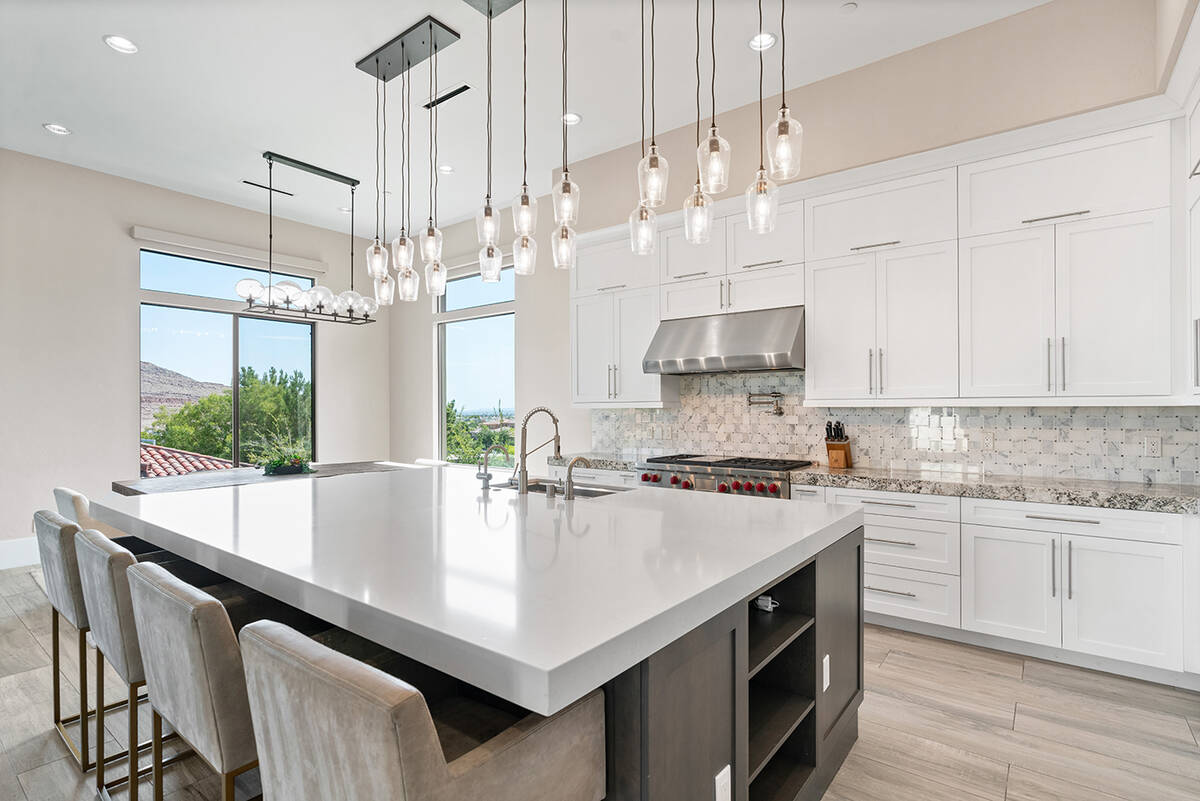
(331, 727)
(76, 507)
(193, 670)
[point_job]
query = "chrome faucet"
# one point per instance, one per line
(569, 495)
(523, 475)
(483, 473)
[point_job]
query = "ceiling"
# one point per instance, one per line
(216, 83)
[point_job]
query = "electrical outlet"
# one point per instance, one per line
(724, 782)
(988, 440)
(825, 669)
(1152, 446)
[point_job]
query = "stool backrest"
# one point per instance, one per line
(102, 566)
(56, 548)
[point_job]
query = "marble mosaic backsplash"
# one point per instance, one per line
(1104, 443)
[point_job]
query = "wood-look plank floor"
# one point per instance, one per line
(941, 722)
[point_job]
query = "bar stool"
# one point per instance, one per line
(330, 727)
(75, 506)
(102, 565)
(193, 670)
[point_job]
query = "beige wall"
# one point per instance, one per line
(69, 329)
(1172, 18)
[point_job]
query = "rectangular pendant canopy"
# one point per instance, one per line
(408, 49)
(498, 6)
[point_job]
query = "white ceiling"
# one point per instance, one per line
(217, 82)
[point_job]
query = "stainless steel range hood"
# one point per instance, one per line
(726, 343)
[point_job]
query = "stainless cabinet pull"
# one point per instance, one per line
(614, 286)
(616, 382)
(1196, 349)
(1064, 519)
(891, 542)
(729, 293)
(1049, 364)
(690, 275)
(889, 592)
(892, 503)
(610, 392)
(761, 264)
(1070, 572)
(881, 371)
(1064, 364)
(876, 245)
(1053, 568)
(870, 371)
(1056, 216)
(807, 490)
(721, 291)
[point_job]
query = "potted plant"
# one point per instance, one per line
(283, 457)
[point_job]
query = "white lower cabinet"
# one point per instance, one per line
(912, 594)
(599, 478)
(1010, 584)
(1124, 600)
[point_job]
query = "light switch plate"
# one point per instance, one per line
(825, 669)
(724, 784)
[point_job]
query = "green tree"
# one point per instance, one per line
(468, 436)
(201, 426)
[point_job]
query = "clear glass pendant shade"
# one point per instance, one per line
(290, 290)
(762, 204)
(385, 290)
(371, 306)
(653, 172)
(377, 259)
(249, 289)
(784, 140)
(564, 247)
(643, 231)
(408, 285)
(435, 279)
(321, 298)
(524, 211)
(431, 244)
(566, 201)
(402, 252)
(697, 217)
(491, 259)
(712, 157)
(525, 255)
(487, 224)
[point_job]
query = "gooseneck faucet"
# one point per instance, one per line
(523, 475)
(570, 493)
(483, 473)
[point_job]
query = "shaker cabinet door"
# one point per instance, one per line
(592, 349)
(1010, 584)
(917, 322)
(839, 329)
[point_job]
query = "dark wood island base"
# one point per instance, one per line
(772, 695)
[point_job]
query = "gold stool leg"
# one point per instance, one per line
(227, 787)
(156, 752)
(84, 712)
(56, 662)
(133, 742)
(99, 721)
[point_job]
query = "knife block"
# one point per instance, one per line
(839, 454)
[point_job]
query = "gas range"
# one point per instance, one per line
(735, 475)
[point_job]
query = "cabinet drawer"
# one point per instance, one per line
(912, 594)
(921, 544)
(601, 478)
(801, 492)
(1083, 520)
(908, 211)
(1101, 175)
(898, 504)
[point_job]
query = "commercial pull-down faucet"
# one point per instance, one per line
(523, 475)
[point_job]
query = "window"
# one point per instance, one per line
(219, 388)
(476, 336)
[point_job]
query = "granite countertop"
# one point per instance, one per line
(1170, 498)
(606, 460)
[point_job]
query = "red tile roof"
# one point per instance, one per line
(158, 461)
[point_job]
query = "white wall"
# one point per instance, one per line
(69, 329)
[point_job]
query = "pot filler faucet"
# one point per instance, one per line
(523, 475)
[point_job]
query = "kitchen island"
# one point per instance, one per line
(540, 601)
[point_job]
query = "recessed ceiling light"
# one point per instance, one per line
(572, 118)
(762, 41)
(849, 8)
(120, 44)
(344, 209)
(55, 128)
(445, 169)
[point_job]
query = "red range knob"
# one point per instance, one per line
(737, 485)
(674, 479)
(656, 478)
(723, 487)
(773, 489)
(761, 487)
(687, 484)
(645, 476)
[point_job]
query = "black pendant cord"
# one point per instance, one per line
(437, 170)
(697, 88)
(782, 55)
(761, 132)
(384, 201)
(642, 23)
(408, 147)
(712, 44)
(378, 81)
(564, 86)
(524, 96)
(432, 170)
(489, 103)
(653, 104)
(403, 144)
(352, 237)
(271, 227)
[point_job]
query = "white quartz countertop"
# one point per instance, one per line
(538, 601)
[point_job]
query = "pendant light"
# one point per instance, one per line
(431, 237)
(377, 255)
(384, 284)
(785, 137)
(524, 207)
(697, 209)
(713, 154)
(643, 222)
(487, 220)
(653, 170)
(566, 196)
(403, 246)
(762, 201)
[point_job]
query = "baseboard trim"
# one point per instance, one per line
(1187, 681)
(18, 553)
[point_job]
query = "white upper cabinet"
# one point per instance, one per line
(770, 288)
(1113, 293)
(610, 267)
(839, 320)
(692, 298)
(1102, 175)
(610, 333)
(591, 349)
(1006, 314)
(917, 322)
(1193, 256)
(784, 245)
(635, 319)
(908, 211)
(682, 261)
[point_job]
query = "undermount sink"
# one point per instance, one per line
(580, 490)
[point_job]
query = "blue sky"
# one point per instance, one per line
(479, 363)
